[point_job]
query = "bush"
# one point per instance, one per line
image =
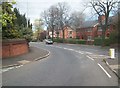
(98, 41)
(80, 41)
(107, 42)
(71, 41)
(114, 37)
(59, 40)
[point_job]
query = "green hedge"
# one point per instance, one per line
(98, 41)
(80, 41)
(71, 41)
(59, 40)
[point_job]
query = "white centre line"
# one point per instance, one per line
(90, 58)
(104, 70)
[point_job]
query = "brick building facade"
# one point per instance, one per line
(91, 29)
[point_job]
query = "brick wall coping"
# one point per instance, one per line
(13, 40)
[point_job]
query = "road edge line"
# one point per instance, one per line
(104, 70)
(112, 69)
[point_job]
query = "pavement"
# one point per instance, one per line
(34, 54)
(114, 64)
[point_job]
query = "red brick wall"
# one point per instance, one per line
(13, 48)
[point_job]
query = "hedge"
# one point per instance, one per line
(71, 41)
(98, 41)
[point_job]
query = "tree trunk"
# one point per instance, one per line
(63, 35)
(52, 34)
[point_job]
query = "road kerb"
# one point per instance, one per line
(13, 65)
(42, 56)
(112, 69)
(10, 66)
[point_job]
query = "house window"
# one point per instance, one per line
(70, 32)
(89, 30)
(89, 38)
(99, 29)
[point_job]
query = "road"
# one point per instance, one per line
(67, 65)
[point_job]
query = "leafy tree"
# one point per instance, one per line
(38, 28)
(21, 25)
(8, 16)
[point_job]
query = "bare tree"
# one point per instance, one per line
(50, 17)
(76, 19)
(103, 7)
(63, 17)
(56, 17)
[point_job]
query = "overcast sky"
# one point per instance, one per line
(35, 7)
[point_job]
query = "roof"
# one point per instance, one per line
(87, 24)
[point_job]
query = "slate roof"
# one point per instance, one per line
(87, 24)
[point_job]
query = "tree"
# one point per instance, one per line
(76, 19)
(103, 8)
(38, 28)
(21, 25)
(8, 16)
(51, 18)
(63, 17)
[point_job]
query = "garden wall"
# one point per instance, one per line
(14, 47)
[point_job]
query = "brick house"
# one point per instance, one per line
(68, 32)
(91, 29)
(87, 31)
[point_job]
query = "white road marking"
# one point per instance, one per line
(70, 49)
(7, 69)
(90, 58)
(80, 52)
(104, 70)
(65, 48)
(88, 52)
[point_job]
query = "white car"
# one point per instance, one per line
(48, 41)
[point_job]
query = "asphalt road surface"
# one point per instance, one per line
(66, 66)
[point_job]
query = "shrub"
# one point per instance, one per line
(114, 37)
(97, 41)
(59, 40)
(80, 41)
(71, 41)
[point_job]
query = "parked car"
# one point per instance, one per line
(48, 41)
